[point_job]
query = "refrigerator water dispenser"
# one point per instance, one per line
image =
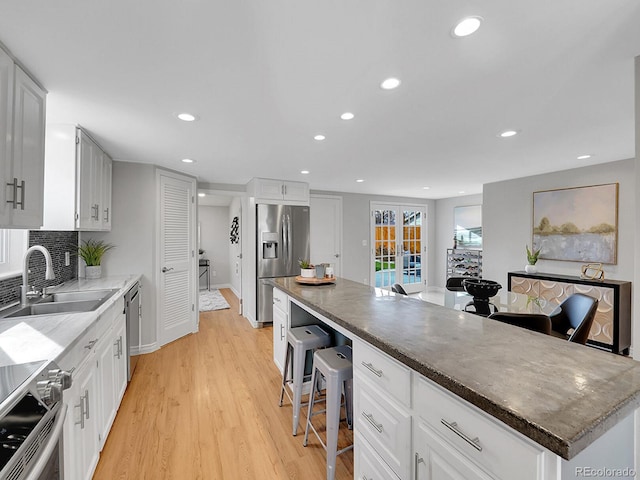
(269, 245)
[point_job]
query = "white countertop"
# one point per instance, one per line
(47, 337)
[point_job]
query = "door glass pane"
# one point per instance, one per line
(385, 247)
(412, 247)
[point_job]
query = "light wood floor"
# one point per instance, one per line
(206, 407)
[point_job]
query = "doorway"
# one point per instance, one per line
(398, 246)
(325, 214)
(176, 256)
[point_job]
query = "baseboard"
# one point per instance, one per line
(142, 349)
(220, 285)
(235, 292)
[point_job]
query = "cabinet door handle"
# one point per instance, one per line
(453, 426)
(416, 462)
(86, 401)
(165, 269)
(371, 420)
(369, 366)
(81, 407)
(282, 331)
(106, 213)
(121, 347)
(22, 188)
(14, 184)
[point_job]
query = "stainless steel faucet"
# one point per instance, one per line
(49, 275)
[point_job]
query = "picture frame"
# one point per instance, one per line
(578, 224)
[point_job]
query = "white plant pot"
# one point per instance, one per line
(91, 273)
(530, 268)
(308, 272)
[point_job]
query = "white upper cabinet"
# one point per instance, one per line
(22, 126)
(266, 190)
(77, 185)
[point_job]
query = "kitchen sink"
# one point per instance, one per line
(66, 302)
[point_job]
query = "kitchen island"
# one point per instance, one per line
(563, 397)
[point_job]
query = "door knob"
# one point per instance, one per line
(337, 255)
(165, 269)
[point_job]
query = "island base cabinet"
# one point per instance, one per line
(367, 464)
(280, 327)
(435, 459)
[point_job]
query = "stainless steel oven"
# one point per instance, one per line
(31, 418)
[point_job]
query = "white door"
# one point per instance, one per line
(398, 246)
(176, 268)
(325, 215)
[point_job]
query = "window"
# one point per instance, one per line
(13, 244)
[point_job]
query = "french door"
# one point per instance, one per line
(397, 233)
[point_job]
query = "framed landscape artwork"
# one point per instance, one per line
(577, 224)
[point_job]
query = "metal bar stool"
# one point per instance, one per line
(334, 364)
(299, 341)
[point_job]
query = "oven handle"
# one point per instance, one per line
(54, 438)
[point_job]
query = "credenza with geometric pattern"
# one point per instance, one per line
(611, 329)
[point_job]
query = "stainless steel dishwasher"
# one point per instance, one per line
(134, 317)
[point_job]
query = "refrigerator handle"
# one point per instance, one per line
(285, 240)
(289, 252)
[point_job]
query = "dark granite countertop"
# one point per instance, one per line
(561, 395)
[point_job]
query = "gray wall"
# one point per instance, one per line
(133, 230)
(235, 210)
(508, 211)
(214, 239)
(444, 232)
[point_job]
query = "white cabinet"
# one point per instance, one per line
(99, 380)
(266, 190)
(80, 438)
(280, 327)
(77, 182)
(434, 459)
(22, 126)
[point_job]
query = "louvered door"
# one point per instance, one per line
(177, 306)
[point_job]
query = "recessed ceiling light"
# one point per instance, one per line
(461, 191)
(390, 84)
(360, 180)
(509, 133)
(347, 116)
(187, 160)
(426, 188)
(319, 137)
(584, 157)
(201, 194)
(186, 117)
(304, 172)
(466, 26)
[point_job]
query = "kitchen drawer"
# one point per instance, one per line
(502, 452)
(80, 350)
(107, 318)
(384, 372)
(367, 464)
(281, 300)
(385, 425)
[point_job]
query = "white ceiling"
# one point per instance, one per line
(265, 76)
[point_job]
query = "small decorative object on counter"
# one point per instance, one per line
(328, 271)
(532, 258)
(306, 269)
(592, 271)
(320, 270)
(92, 251)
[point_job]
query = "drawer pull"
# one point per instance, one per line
(90, 345)
(369, 366)
(453, 426)
(369, 417)
(275, 299)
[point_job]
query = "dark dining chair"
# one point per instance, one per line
(397, 288)
(572, 319)
(454, 284)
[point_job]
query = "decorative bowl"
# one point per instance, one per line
(479, 288)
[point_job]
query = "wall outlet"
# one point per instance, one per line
(214, 273)
(67, 259)
(364, 243)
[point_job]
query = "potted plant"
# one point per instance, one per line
(306, 269)
(91, 251)
(532, 258)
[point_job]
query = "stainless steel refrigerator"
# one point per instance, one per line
(282, 240)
